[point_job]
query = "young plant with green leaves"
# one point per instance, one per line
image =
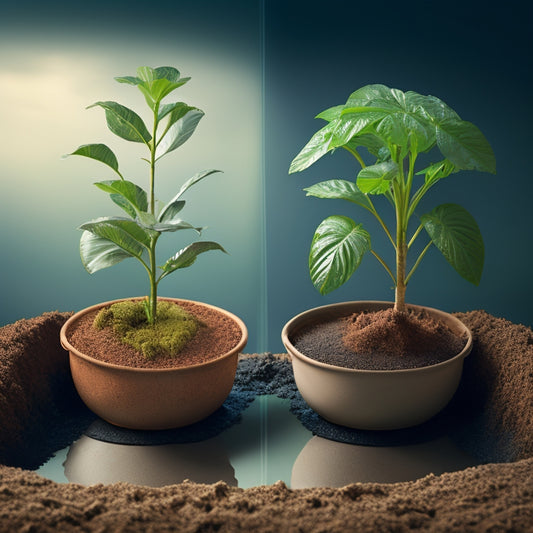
(395, 128)
(106, 241)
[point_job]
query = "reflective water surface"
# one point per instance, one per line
(269, 444)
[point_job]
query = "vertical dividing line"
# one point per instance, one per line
(263, 289)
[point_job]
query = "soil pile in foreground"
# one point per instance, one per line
(492, 497)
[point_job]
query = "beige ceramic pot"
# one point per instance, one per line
(373, 399)
(150, 399)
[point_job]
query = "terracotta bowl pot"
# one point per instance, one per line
(374, 399)
(150, 399)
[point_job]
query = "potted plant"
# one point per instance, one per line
(149, 363)
(387, 365)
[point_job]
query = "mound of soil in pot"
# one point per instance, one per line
(380, 340)
(217, 336)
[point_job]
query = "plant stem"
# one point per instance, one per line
(355, 153)
(152, 301)
(384, 265)
(401, 195)
(422, 254)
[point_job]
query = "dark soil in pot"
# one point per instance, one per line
(217, 336)
(382, 340)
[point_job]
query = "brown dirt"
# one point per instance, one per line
(492, 497)
(219, 335)
(380, 340)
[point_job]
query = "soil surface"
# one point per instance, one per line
(497, 395)
(381, 340)
(218, 336)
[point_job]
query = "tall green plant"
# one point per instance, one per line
(395, 128)
(106, 241)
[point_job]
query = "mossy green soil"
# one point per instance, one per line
(172, 330)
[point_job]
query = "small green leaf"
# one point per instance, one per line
(132, 193)
(130, 80)
(456, 234)
(169, 211)
(97, 253)
(124, 204)
(336, 251)
(187, 256)
(124, 122)
(179, 132)
(99, 152)
(175, 225)
(376, 179)
(173, 207)
(339, 189)
(465, 146)
(437, 171)
(126, 234)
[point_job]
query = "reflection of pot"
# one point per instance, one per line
(373, 399)
(91, 461)
(326, 463)
(159, 398)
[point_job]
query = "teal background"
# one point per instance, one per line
(261, 70)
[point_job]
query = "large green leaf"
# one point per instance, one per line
(465, 146)
(376, 179)
(99, 152)
(339, 189)
(175, 205)
(456, 234)
(124, 122)
(187, 256)
(97, 253)
(403, 122)
(336, 251)
(129, 191)
(179, 132)
(126, 234)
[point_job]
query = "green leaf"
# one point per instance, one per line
(318, 145)
(174, 206)
(178, 110)
(126, 234)
(175, 225)
(130, 80)
(99, 152)
(331, 113)
(129, 191)
(124, 204)
(97, 253)
(339, 189)
(187, 256)
(179, 132)
(437, 171)
(169, 211)
(124, 122)
(465, 146)
(456, 234)
(336, 251)
(376, 179)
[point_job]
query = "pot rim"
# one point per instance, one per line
(67, 346)
(422, 369)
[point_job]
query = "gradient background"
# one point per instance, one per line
(261, 70)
